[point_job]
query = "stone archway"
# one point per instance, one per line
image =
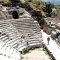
(15, 15)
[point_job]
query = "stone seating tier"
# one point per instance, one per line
(9, 34)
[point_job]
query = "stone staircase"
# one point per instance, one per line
(30, 29)
(12, 30)
(26, 24)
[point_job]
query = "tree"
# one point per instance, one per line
(48, 9)
(15, 1)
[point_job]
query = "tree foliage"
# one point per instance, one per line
(15, 1)
(48, 8)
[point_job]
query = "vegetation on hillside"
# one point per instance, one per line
(36, 5)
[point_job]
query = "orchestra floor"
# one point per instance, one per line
(36, 54)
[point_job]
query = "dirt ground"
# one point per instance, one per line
(36, 54)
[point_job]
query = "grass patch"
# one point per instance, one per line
(28, 50)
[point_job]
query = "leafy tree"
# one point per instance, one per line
(15, 1)
(48, 8)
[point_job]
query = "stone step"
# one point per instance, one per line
(22, 46)
(2, 36)
(5, 39)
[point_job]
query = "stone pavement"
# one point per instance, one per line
(36, 54)
(52, 47)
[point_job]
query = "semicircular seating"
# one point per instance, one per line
(10, 36)
(11, 31)
(8, 52)
(30, 29)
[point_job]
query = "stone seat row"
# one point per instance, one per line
(21, 44)
(10, 36)
(8, 52)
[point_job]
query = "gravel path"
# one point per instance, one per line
(37, 54)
